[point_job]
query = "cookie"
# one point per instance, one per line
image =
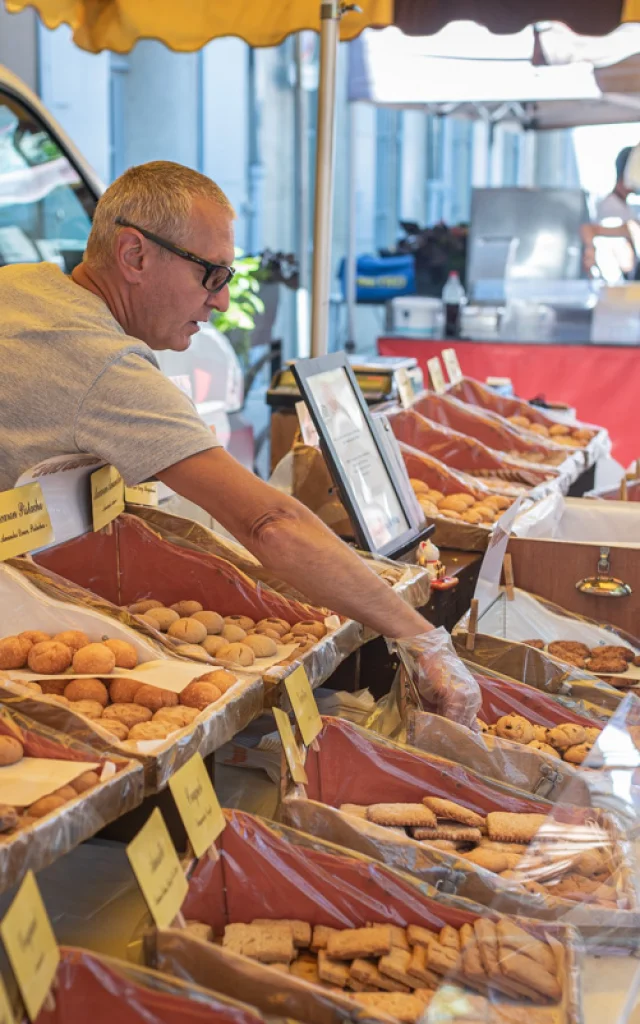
(442, 959)
(403, 1007)
(522, 969)
(149, 731)
(607, 664)
(453, 812)
(335, 972)
(199, 695)
(592, 733)
(243, 621)
(514, 828)
(537, 644)
(366, 973)
(449, 937)
(11, 750)
(487, 941)
(261, 645)
(301, 930)
(89, 708)
(419, 936)
(490, 860)
(564, 736)
(74, 639)
(154, 698)
(514, 727)
(544, 748)
(85, 782)
(94, 660)
(129, 714)
(418, 970)
(452, 831)
(199, 930)
(355, 810)
(142, 607)
(186, 608)
(212, 622)
(559, 647)
(49, 658)
(188, 630)
(160, 618)
(176, 717)
(268, 944)
(613, 650)
(309, 627)
(578, 754)
(540, 733)
(352, 943)
(117, 729)
(35, 636)
(87, 689)
(233, 634)
(511, 936)
(401, 814)
(237, 654)
(395, 965)
(126, 654)
(46, 805)
(123, 690)
(320, 936)
(305, 967)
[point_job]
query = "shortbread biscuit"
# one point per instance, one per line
(514, 828)
(472, 965)
(442, 959)
(301, 930)
(333, 971)
(464, 937)
(453, 812)
(398, 935)
(306, 968)
(487, 939)
(367, 973)
(490, 860)
(418, 969)
(401, 814)
(199, 930)
(320, 937)
(356, 810)
(395, 965)
(510, 936)
(405, 1008)
(526, 971)
(360, 942)
(450, 937)
(419, 936)
(452, 831)
(271, 944)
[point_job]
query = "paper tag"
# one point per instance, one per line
(107, 496)
(307, 426)
(405, 388)
(290, 747)
(304, 705)
(197, 804)
(31, 945)
(450, 360)
(142, 494)
(6, 1013)
(156, 866)
(436, 375)
(488, 585)
(24, 521)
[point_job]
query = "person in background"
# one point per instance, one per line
(616, 221)
(615, 204)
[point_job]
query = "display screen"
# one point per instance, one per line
(358, 455)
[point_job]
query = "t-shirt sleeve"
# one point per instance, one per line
(134, 418)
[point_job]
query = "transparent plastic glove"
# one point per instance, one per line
(442, 679)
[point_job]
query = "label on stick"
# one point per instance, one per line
(290, 747)
(304, 705)
(158, 871)
(142, 494)
(107, 496)
(450, 359)
(436, 375)
(24, 521)
(31, 945)
(197, 804)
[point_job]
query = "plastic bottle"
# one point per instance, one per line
(453, 297)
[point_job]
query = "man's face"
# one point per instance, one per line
(172, 301)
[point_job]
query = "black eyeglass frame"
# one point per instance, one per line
(184, 254)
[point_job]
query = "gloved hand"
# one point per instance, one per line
(442, 679)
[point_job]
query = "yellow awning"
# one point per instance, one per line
(188, 25)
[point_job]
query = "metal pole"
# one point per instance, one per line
(352, 255)
(302, 204)
(325, 147)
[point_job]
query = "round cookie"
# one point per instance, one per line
(578, 753)
(237, 654)
(66, 792)
(160, 618)
(49, 658)
(277, 625)
(45, 806)
(564, 736)
(178, 717)
(199, 695)
(540, 733)
(537, 644)
(243, 621)
(607, 664)
(607, 650)
(11, 750)
(220, 677)
(35, 636)
(309, 628)
(149, 731)
(130, 714)
(271, 633)
(211, 621)
(558, 430)
(559, 647)
(75, 639)
(428, 507)
(473, 517)
(419, 486)
(233, 634)
(117, 729)
(189, 630)
(455, 503)
(95, 660)
(85, 781)
(514, 727)
(212, 644)
(14, 652)
(122, 690)
(592, 733)
(88, 708)
(87, 689)
(142, 607)
(186, 608)
(261, 645)
(126, 654)
(543, 747)
(449, 513)
(154, 698)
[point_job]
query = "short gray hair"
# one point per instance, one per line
(157, 196)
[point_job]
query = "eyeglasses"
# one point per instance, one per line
(216, 275)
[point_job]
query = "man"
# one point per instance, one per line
(79, 375)
(615, 219)
(615, 204)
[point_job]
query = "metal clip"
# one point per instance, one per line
(450, 884)
(549, 779)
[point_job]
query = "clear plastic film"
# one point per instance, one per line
(36, 842)
(270, 872)
(110, 989)
(614, 494)
(476, 857)
(33, 598)
(439, 675)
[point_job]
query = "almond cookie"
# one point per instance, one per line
(418, 969)
(242, 621)
(212, 622)
(578, 754)
(491, 860)
(514, 727)
(11, 750)
(352, 943)
(270, 944)
(130, 714)
(87, 689)
(220, 677)
(142, 607)
(237, 654)
(117, 729)
(453, 812)
(160, 618)
(452, 830)
(49, 657)
(514, 828)
(309, 627)
(301, 930)
(89, 708)
(149, 731)
(564, 736)
(126, 654)
(401, 814)
(154, 698)
(261, 645)
(178, 718)
(186, 608)
(212, 644)
(122, 690)
(544, 748)
(94, 660)
(199, 695)
(395, 965)
(189, 630)
(73, 638)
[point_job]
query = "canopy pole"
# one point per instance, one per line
(351, 267)
(325, 153)
(303, 346)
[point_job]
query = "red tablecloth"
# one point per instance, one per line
(602, 382)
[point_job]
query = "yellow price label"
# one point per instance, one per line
(405, 387)
(24, 521)
(290, 747)
(6, 1013)
(197, 804)
(107, 496)
(31, 945)
(159, 873)
(450, 360)
(304, 705)
(142, 494)
(437, 376)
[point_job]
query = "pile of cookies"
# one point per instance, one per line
(605, 659)
(389, 969)
(12, 819)
(462, 507)
(575, 862)
(235, 639)
(569, 741)
(559, 433)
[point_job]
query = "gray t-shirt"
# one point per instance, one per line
(72, 381)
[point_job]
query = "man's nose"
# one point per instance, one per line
(220, 300)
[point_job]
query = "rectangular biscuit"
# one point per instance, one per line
(451, 811)
(487, 939)
(442, 959)
(419, 936)
(200, 931)
(398, 934)
(451, 936)
(332, 971)
(514, 828)
(301, 930)
(320, 936)
(405, 1008)
(510, 936)
(269, 945)
(367, 973)
(305, 967)
(395, 965)
(360, 942)
(356, 810)
(528, 972)
(418, 969)
(450, 830)
(401, 814)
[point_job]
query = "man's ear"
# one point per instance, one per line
(130, 254)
